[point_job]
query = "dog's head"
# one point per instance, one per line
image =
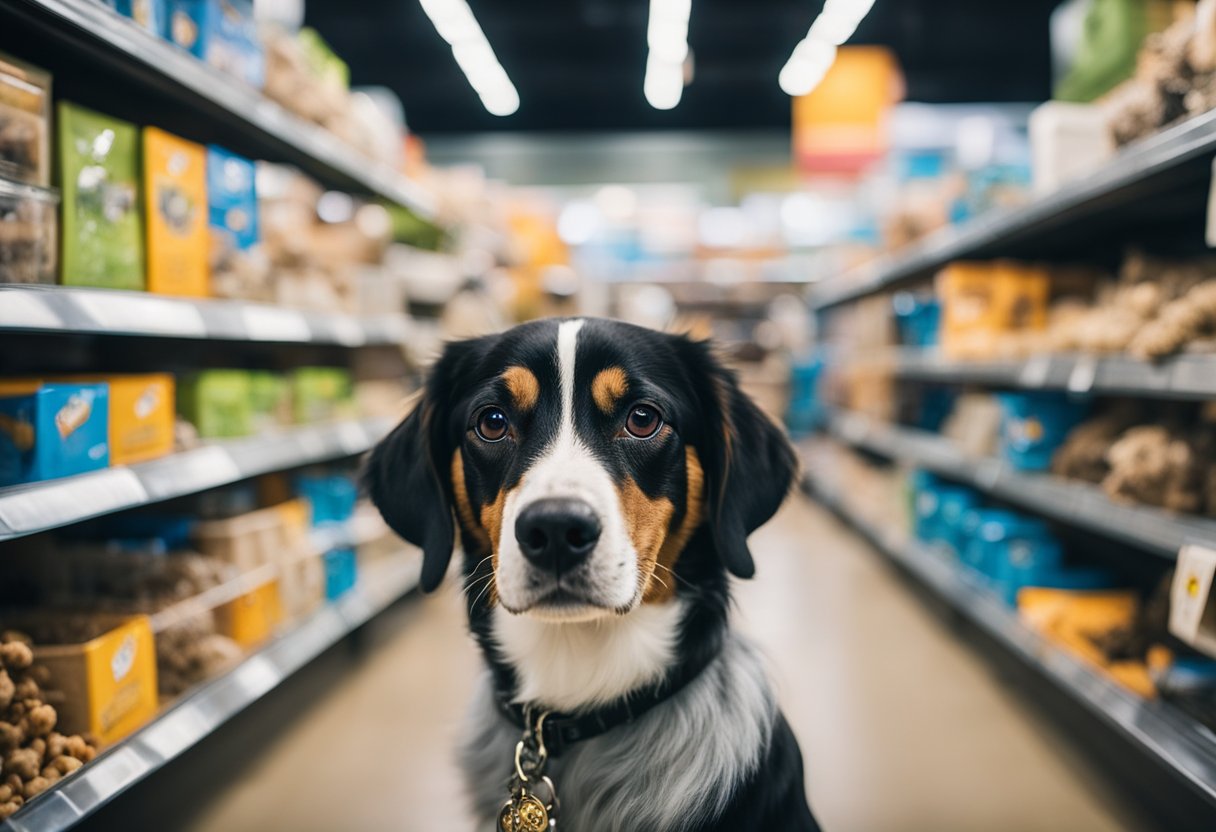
(579, 457)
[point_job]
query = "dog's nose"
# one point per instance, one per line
(557, 534)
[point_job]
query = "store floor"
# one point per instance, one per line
(903, 726)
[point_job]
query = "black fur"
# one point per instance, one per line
(748, 467)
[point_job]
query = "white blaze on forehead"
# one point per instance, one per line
(567, 346)
(568, 469)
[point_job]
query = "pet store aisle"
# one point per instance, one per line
(884, 750)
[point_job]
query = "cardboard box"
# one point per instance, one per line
(232, 198)
(141, 416)
(981, 302)
(103, 235)
(50, 430)
(222, 33)
(320, 394)
(217, 403)
(252, 618)
(108, 683)
(25, 122)
(150, 14)
(270, 400)
(175, 193)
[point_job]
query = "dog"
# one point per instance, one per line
(604, 479)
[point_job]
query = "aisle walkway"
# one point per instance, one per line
(903, 727)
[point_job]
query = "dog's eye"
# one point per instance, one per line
(492, 424)
(643, 421)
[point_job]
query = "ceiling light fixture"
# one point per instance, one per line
(667, 37)
(455, 23)
(815, 54)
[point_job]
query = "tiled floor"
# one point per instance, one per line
(903, 727)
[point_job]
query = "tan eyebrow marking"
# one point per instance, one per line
(523, 386)
(608, 387)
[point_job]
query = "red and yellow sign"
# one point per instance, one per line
(840, 126)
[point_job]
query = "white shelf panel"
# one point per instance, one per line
(39, 507)
(1181, 377)
(64, 310)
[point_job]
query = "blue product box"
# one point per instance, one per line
(940, 508)
(222, 33)
(150, 14)
(925, 504)
(53, 430)
(955, 504)
(918, 319)
(805, 411)
(995, 537)
(332, 497)
(1034, 425)
(232, 198)
(341, 572)
(1028, 561)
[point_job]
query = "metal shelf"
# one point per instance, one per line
(1182, 377)
(75, 798)
(1182, 745)
(245, 119)
(1079, 504)
(1173, 158)
(68, 311)
(39, 507)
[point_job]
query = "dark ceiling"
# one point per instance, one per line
(578, 64)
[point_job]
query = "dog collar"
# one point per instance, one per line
(559, 731)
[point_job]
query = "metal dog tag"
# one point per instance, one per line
(524, 812)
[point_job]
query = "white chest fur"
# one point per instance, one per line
(567, 666)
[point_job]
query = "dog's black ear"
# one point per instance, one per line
(408, 474)
(748, 462)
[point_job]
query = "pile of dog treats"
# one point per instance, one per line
(35, 755)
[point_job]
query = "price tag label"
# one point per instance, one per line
(68, 500)
(192, 471)
(353, 437)
(1210, 235)
(23, 309)
(1035, 371)
(1192, 602)
(129, 312)
(1084, 374)
(266, 323)
(348, 331)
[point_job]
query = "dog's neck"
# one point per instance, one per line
(576, 666)
(579, 666)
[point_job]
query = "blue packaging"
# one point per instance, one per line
(53, 430)
(939, 510)
(150, 14)
(955, 502)
(341, 572)
(995, 537)
(221, 33)
(232, 199)
(1034, 425)
(918, 319)
(332, 497)
(805, 411)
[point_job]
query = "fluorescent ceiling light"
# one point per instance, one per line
(815, 54)
(455, 23)
(667, 37)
